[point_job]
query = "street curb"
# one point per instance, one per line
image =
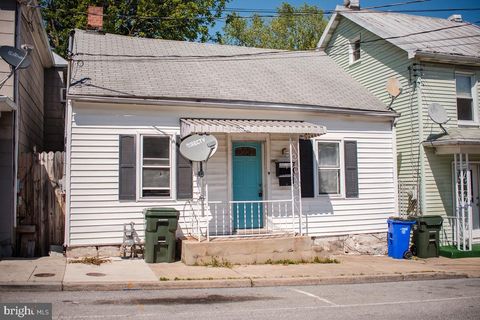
(255, 282)
(30, 286)
(157, 285)
(225, 283)
(354, 279)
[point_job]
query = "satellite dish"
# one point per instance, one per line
(199, 147)
(394, 88)
(437, 113)
(14, 57)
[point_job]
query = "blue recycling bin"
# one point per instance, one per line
(398, 237)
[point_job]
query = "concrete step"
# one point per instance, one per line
(250, 250)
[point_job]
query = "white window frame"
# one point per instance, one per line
(171, 166)
(341, 152)
(474, 121)
(351, 50)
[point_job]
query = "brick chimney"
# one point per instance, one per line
(455, 18)
(352, 4)
(95, 18)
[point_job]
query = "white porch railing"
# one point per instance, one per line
(463, 201)
(251, 218)
(449, 234)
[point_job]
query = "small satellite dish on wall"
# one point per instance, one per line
(394, 88)
(15, 57)
(199, 147)
(437, 113)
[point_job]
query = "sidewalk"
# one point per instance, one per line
(55, 274)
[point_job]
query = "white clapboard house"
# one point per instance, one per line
(132, 100)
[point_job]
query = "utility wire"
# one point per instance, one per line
(224, 58)
(367, 8)
(273, 15)
(286, 52)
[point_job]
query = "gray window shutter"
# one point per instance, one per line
(127, 172)
(184, 175)
(351, 169)
(306, 168)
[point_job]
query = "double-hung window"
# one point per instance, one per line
(156, 166)
(355, 50)
(465, 97)
(329, 168)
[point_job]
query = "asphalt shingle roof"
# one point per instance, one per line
(457, 136)
(426, 34)
(121, 66)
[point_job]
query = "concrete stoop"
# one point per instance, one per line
(248, 251)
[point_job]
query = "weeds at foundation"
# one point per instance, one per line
(287, 262)
(164, 279)
(191, 279)
(91, 260)
(325, 260)
(215, 263)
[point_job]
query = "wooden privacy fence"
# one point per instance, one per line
(41, 201)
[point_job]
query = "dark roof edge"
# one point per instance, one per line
(451, 142)
(445, 58)
(217, 103)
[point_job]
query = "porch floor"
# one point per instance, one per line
(252, 236)
(453, 253)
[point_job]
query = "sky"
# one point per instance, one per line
(470, 16)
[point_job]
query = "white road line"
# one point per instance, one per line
(314, 296)
(332, 305)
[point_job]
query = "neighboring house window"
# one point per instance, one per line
(355, 50)
(328, 167)
(156, 166)
(465, 100)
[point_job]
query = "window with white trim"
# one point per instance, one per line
(329, 168)
(355, 49)
(156, 166)
(465, 97)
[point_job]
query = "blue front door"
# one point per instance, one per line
(247, 184)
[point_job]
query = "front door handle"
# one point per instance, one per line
(260, 194)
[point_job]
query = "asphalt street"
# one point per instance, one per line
(437, 299)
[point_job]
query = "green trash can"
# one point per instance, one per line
(426, 236)
(160, 227)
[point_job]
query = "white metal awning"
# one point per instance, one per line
(190, 126)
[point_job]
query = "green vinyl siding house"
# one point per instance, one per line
(435, 61)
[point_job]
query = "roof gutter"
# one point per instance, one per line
(45, 38)
(445, 58)
(231, 105)
(451, 143)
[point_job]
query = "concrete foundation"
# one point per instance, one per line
(258, 250)
(93, 251)
(366, 244)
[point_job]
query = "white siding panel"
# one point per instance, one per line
(97, 216)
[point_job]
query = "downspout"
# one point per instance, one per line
(16, 98)
(395, 165)
(68, 132)
(421, 153)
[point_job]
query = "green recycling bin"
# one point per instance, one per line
(426, 236)
(160, 227)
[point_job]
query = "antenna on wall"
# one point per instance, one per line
(394, 89)
(437, 113)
